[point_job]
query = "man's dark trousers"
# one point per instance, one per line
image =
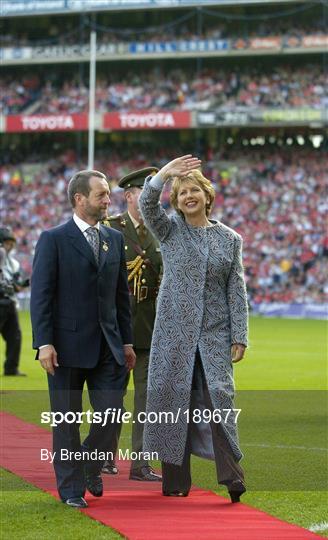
(106, 383)
(79, 307)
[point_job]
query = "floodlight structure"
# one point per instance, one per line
(92, 92)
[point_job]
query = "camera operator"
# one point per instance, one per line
(10, 283)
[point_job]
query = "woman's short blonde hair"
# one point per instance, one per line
(195, 176)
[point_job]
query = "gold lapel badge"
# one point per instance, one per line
(105, 246)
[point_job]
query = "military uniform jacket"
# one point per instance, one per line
(143, 312)
(202, 305)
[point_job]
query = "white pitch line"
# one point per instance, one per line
(289, 353)
(323, 526)
(286, 446)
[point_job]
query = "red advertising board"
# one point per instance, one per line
(315, 41)
(46, 122)
(273, 42)
(147, 120)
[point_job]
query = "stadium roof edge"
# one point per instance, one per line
(26, 8)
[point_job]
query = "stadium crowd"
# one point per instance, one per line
(282, 86)
(275, 200)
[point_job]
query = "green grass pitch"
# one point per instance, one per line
(280, 386)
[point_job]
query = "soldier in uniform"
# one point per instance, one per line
(144, 265)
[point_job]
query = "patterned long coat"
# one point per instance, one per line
(201, 305)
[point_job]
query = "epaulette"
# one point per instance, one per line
(110, 219)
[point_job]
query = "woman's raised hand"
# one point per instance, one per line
(179, 166)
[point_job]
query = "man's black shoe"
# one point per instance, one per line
(145, 474)
(76, 502)
(94, 484)
(110, 467)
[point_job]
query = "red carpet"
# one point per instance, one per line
(136, 509)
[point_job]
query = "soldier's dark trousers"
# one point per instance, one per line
(140, 374)
(11, 333)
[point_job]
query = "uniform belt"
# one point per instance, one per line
(146, 293)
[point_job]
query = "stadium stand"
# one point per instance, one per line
(214, 25)
(242, 78)
(282, 86)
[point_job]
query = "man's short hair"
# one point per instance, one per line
(80, 183)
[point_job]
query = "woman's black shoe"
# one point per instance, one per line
(236, 489)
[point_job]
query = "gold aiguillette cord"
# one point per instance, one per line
(135, 272)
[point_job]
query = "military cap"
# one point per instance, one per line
(136, 178)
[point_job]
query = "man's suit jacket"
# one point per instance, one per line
(74, 301)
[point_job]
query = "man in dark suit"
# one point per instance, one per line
(81, 322)
(144, 263)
